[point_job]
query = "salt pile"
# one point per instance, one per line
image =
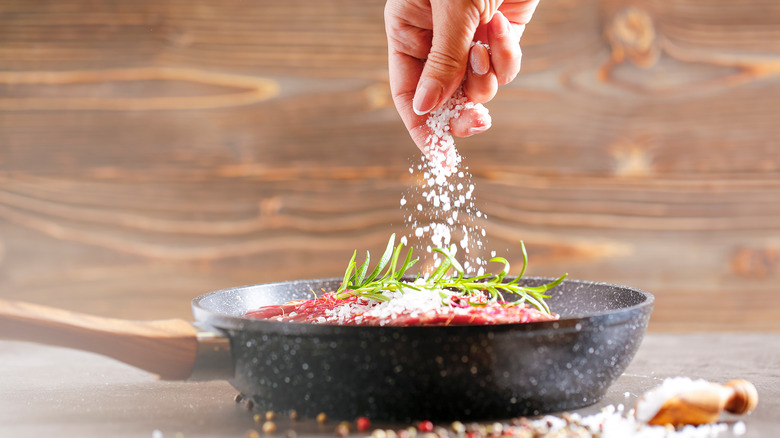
(415, 304)
(440, 208)
(652, 400)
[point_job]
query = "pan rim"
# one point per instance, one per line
(217, 320)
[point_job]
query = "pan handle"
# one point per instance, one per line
(169, 348)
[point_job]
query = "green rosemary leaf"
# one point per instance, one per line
(500, 276)
(394, 261)
(375, 296)
(525, 260)
(361, 273)
(383, 261)
(348, 273)
(408, 262)
(545, 287)
(404, 285)
(445, 266)
(539, 304)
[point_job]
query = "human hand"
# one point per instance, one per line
(431, 52)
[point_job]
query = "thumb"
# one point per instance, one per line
(454, 25)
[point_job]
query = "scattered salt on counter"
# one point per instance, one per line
(652, 400)
(613, 422)
(444, 196)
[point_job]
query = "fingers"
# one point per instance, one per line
(404, 71)
(470, 122)
(430, 54)
(409, 41)
(453, 29)
(480, 84)
(519, 11)
(505, 47)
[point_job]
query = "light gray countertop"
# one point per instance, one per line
(48, 391)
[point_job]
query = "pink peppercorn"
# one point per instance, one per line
(425, 426)
(363, 424)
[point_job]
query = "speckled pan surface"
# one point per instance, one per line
(435, 373)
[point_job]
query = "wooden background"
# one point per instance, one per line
(153, 150)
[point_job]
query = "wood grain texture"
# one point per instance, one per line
(151, 151)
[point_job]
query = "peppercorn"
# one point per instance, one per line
(269, 427)
(425, 426)
(342, 429)
(293, 415)
(321, 417)
(362, 424)
(270, 415)
(238, 398)
(379, 433)
(258, 418)
(458, 427)
(252, 434)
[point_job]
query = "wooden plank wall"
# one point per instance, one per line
(154, 150)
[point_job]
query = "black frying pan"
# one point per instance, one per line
(385, 373)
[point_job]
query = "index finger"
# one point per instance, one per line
(405, 71)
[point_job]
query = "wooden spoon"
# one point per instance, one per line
(704, 406)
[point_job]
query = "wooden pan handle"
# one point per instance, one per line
(167, 348)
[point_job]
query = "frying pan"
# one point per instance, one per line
(385, 373)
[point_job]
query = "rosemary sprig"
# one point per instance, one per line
(373, 285)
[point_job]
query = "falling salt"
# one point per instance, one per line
(445, 189)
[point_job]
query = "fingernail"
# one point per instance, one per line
(481, 123)
(426, 97)
(478, 129)
(479, 60)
